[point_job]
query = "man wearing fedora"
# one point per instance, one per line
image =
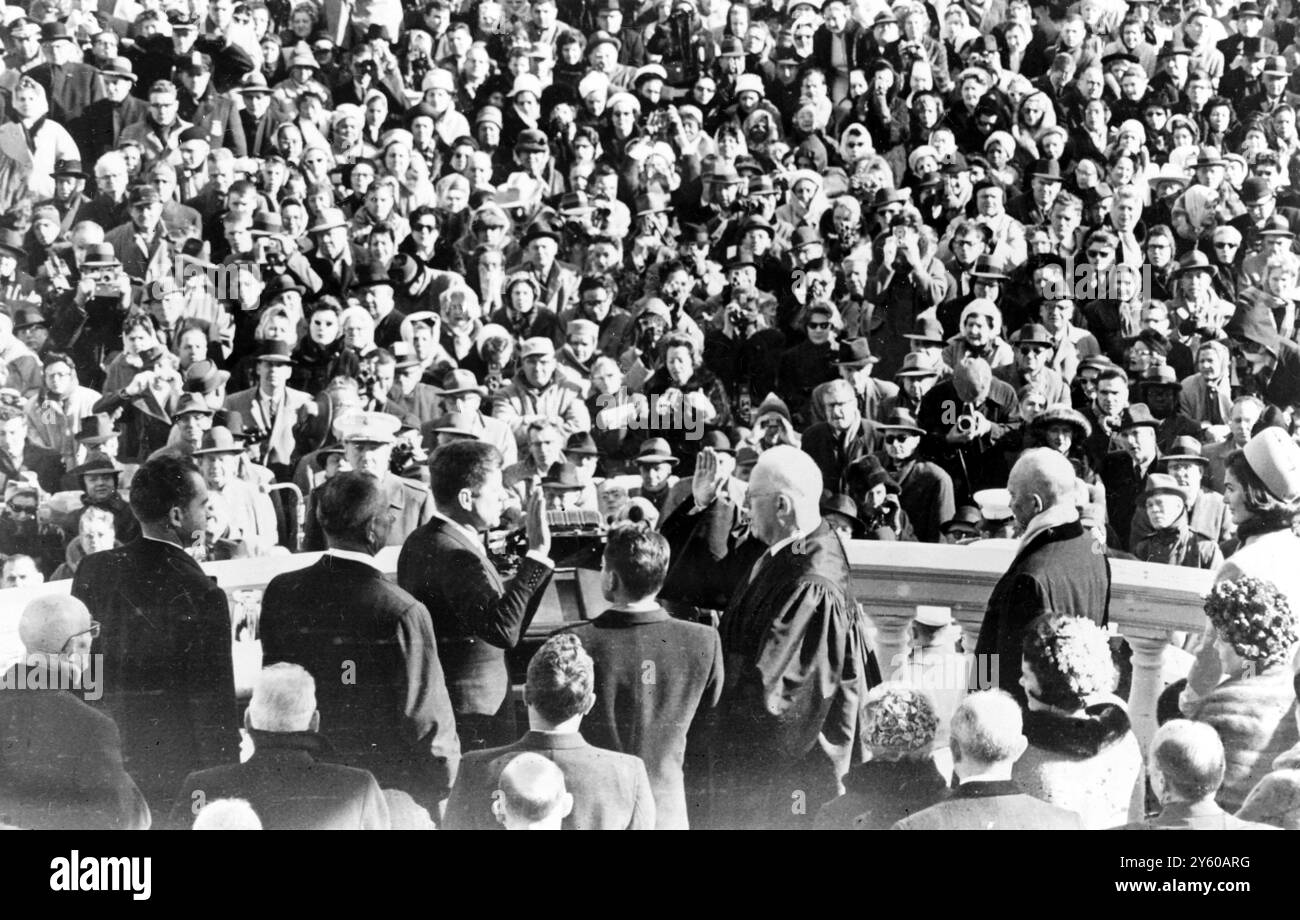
(1124, 472)
(1261, 204)
(1035, 206)
(70, 198)
(332, 259)
(925, 490)
(1033, 346)
(1273, 90)
(248, 509)
(460, 392)
(375, 290)
(69, 84)
(54, 415)
(271, 407)
(655, 462)
(102, 122)
(141, 244)
(1161, 390)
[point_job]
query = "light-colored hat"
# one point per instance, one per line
(593, 82)
(359, 426)
(347, 112)
(619, 98)
(749, 83)
(1275, 458)
(526, 83)
(438, 78)
(329, 219)
(934, 616)
(982, 306)
(537, 345)
(582, 327)
(994, 504)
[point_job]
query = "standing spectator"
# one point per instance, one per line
(386, 701)
(656, 677)
(165, 635)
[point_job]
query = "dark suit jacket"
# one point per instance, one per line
(101, 124)
(1123, 490)
(857, 47)
(832, 454)
(290, 786)
(1062, 570)
(1195, 816)
(795, 676)
(165, 637)
(217, 117)
(654, 675)
(410, 502)
(999, 806)
(61, 764)
(477, 616)
(69, 91)
(379, 683)
(611, 791)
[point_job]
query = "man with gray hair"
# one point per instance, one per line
(284, 781)
(60, 758)
(1186, 767)
(1059, 568)
(987, 738)
(794, 660)
(845, 436)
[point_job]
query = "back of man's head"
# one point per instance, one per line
(227, 815)
(162, 483)
(532, 794)
(346, 504)
(988, 729)
(792, 472)
(560, 680)
(460, 465)
(638, 556)
(284, 699)
(1189, 757)
(48, 622)
(1046, 473)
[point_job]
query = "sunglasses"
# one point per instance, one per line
(1098, 253)
(1032, 351)
(22, 510)
(896, 438)
(427, 228)
(819, 325)
(1227, 245)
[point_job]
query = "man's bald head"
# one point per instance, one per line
(49, 622)
(786, 486)
(1042, 478)
(532, 793)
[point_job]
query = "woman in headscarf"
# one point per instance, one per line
(805, 202)
(1034, 113)
(46, 141)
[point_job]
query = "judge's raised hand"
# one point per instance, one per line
(536, 527)
(708, 478)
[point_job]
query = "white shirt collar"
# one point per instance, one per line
(782, 544)
(354, 556)
(1044, 520)
(471, 534)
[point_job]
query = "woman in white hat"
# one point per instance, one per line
(1262, 492)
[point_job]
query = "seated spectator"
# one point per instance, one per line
(899, 726)
(611, 791)
(531, 795)
(987, 740)
(1082, 755)
(288, 781)
(96, 532)
(1171, 539)
(1241, 681)
(1187, 766)
(61, 758)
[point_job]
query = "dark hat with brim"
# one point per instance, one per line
(1183, 449)
(562, 477)
(656, 450)
(98, 465)
(842, 506)
(1138, 415)
(581, 443)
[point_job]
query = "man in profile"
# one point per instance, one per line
(987, 738)
(795, 664)
(60, 758)
(1060, 566)
(478, 615)
(284, 781)
(384, 701)
(611, 791)
(165, 635)
(655, 676)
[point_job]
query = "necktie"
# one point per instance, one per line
(1214, 413)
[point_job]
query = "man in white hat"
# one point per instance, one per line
(368, 439)
(250, 512)
(439, 90)
(537, 393)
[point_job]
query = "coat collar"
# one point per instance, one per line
(1079, 736)
(616, 618)
(547, 741)
(986, 790)
(307, 745)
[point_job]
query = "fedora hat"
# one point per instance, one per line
(119, 68)
(562, 477)
(219, 440)
(68, 167)
(846, 507)
(204, 377)
(11, 242)
(581, 443)
(1137, 415)
(1033, 334)
(901, 420)
(27, 317)
(918, 365)
(1208, 156)
(1162, 484)
(329, 219)
(96, 429)
(1194, 261)
(100, 255)
(856, 353)
(1186, 449)
(966, 518)
(190, 404)
(1277, 225)
(1161, 376)
(404, 354)
(656, 450)
(928, 330)
(1046, 168)
(372, 276)
(989, 269)
(717, 440)
(274, 352)
(302, 57)
(1254, 190)
(1170, 172)
(456, 424)
(460, 381)
(1064, 414)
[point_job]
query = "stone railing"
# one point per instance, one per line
(1148, 602)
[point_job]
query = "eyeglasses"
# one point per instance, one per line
(896, 438)
(22, 510)
(427, 228)
(1226, 245)
(1098, 253)
(819, 325)
(1032, 350)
